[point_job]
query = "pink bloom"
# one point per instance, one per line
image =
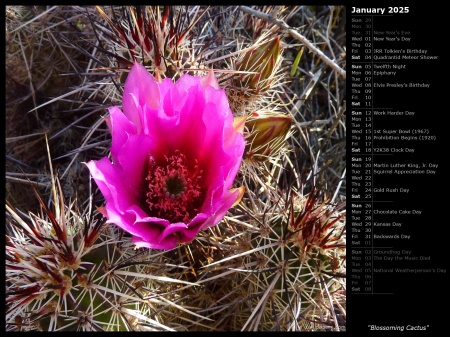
(175, 154)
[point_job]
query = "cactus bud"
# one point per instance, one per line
(261, 62)
(265, 136)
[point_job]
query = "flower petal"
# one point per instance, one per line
(210, 80)
(133, 158)
(141, 89)
(120, 127)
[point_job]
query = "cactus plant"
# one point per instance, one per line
(277, 259)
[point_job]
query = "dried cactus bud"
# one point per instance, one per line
(266, 136)
(261, 62)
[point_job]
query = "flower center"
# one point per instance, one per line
(175, 185)
(174, 191)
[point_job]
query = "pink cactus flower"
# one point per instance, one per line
(175, 153)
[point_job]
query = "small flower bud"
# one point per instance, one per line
(261, 62)
(266, 135)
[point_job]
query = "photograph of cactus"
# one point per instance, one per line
(175, 168)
